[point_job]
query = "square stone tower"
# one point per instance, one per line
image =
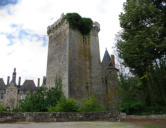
(74, 58)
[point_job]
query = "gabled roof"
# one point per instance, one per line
(28, 86)
(2, 84)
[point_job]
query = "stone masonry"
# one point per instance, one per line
(11, 93)
(75, 58)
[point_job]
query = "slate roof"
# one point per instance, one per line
(2, 84)
(13, 83)
(106, 59)
(28, 85)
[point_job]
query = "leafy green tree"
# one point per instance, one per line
(142, 43)
(143, 39)
(34, 102)
(132, 99)
(40, 100)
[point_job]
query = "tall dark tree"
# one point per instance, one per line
(142, 45)
(143, 39)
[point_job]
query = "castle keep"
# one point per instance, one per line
(75, 58)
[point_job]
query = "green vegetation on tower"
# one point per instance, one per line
(84, 25)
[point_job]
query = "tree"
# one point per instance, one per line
(142, 45)
(40, 100)
(143, 39)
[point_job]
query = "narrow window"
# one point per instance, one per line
(1, 96)
(84, 40)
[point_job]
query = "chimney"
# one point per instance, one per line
(14, 76)
(113, 60)
(38, 82)
(19, 81)
(44, 81)
(8, 80)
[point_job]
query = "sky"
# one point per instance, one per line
(23, 31)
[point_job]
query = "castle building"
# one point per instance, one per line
(75, 58)
(11, 93)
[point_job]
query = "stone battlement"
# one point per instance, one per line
(61, 20)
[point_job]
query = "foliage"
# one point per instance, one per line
(1, 108)
(53, 100)
(133, 98)
(65, 105)
(143, 39)
(40, 100)
(130, 92)
(34, 102)
(70, 105)
(51, 109)
(53, 94)
(84, 25)
(142, 46)
(91, 105)
(156, 82)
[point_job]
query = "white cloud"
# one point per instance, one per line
(30, 57)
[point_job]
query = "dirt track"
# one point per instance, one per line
(130, 123)
(96, 124)
(69, 125)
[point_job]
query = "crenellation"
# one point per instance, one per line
(96, 25)
(56, 24)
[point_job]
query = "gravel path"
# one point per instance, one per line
(95, 124)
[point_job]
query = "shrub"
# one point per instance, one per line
(91, 105)
(34, 102)
(51, 109)
(84, 25)
(40, 100)
(73, 19)
(1, 108)
(65, 105)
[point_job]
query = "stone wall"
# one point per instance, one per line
(112, 98)
(57, 61)
(56, 117)
(11, 98)
(75, 58)
(125, 117)
(84, 66)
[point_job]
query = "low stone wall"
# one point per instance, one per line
(146, 116)
(123, 116)
(56, 117)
